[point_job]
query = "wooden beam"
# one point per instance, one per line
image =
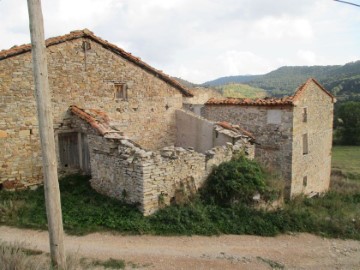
(45, 118)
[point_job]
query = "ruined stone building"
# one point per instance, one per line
(293, 134)
(124, 123)
(115, 117)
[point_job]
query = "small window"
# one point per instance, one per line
(120, 91)
(304, 115)
(305, 181)
(305, 144)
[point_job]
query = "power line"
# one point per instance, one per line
(349, 3)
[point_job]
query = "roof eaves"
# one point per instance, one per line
(287, 101)
(302, 88)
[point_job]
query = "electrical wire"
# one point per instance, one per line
(349, 3)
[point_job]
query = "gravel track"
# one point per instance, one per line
(291, 251)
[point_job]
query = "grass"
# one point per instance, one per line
(111, 264)
(346, 159)
(337, 214)
(239, 90)
(16, 256)
(84, 211)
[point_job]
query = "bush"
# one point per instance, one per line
(236, 181)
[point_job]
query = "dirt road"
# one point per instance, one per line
(301, 251)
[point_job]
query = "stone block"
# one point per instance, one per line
(3, 134)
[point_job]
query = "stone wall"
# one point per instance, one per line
(272, 128)
(84, 78)
(194, 131)
(311, 171)
(152, 179)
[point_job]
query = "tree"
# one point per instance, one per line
(349, 126)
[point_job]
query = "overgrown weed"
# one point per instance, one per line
(334, 215)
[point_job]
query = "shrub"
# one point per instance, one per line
(236, 181)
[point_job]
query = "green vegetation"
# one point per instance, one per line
(346, 161)
(235, 182)
(223, 211)
(16, 256)
(342, 81)
(347, 123)
(111, 264)
(239, 90)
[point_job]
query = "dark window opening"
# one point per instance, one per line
(305, 144)
(304, 115)
(120, 91)
(305, 181)
(167, 107)
(1, 186)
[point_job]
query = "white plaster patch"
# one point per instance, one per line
(274, 116)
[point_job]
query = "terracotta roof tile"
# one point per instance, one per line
(268, 101)
(97, 119)
(251, 102)
(16, 50)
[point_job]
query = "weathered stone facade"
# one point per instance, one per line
(115, 117)
(123, 170)
(279, 128)
(311, 164)
(121, 121)
(83, 70)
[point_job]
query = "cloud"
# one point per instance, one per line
(282, 27)
(307, 57)
(203, 39)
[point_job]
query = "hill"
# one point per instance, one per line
(239, 90)
(342, 81)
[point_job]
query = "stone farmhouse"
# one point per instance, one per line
(293, 134)
(139, 133)
(115, 117)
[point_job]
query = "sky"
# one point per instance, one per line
(201, 40)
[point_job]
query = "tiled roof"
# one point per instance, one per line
(268, 101)
(250, 102)
(235, 128)
(302, 88)
(16, 50)
(98, 120)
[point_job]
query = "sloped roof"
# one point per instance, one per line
(99, 120)
(250, 102)
(16, 50)
(268, 101)
(302, 88)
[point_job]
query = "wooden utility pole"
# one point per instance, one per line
(45, 118)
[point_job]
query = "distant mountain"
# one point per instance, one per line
(342, 81)
(185, 82)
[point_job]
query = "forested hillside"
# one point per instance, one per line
(343, 81)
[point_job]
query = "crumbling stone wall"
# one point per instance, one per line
(85, 78)
(152, 179)
(272, 128)
(311, 170)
